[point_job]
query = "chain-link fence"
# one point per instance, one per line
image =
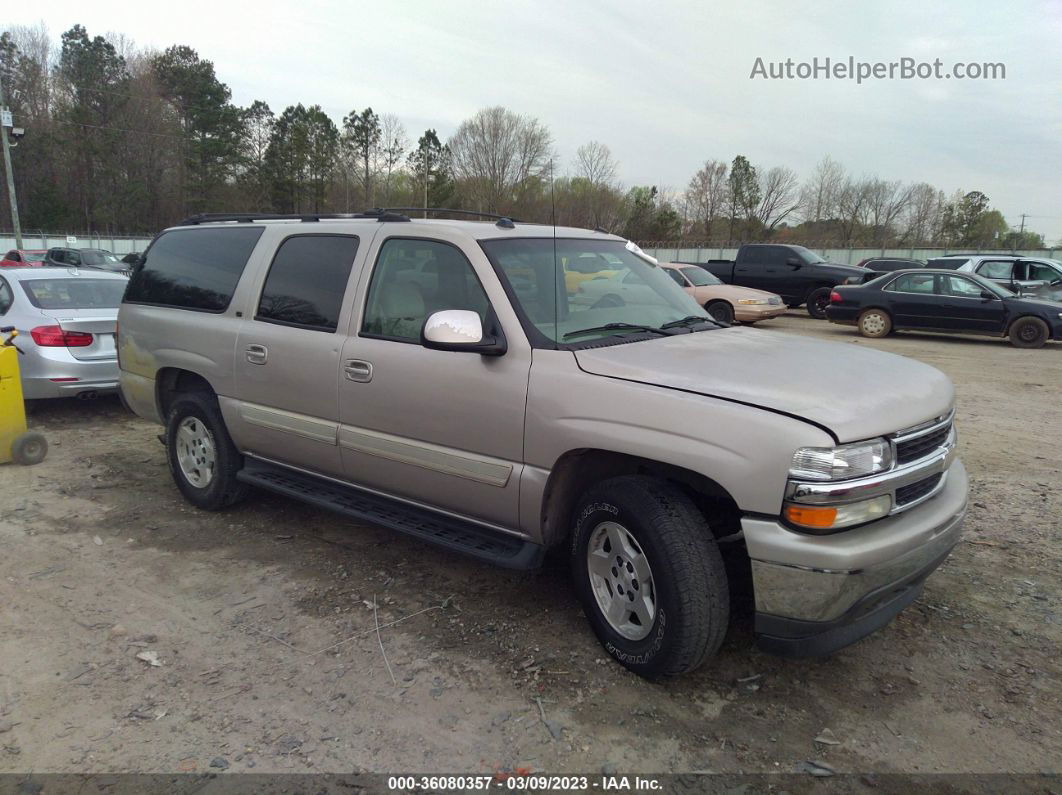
(702, 251)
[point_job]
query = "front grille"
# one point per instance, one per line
(921, 446)
(916, 491)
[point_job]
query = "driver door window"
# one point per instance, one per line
(958, 287)
(412, 280)
(679, 279)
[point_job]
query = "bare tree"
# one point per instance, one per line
(779, 196)
(885, 201)
(393, 146)
(595, 198)
(594, 163)
(496, 152)
(922, 217)
(706, 194)
(821, 192)
(853, 200)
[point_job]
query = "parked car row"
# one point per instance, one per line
(100, 259)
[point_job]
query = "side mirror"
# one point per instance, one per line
(460, 330)
(987, 296)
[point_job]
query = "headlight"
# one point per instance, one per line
(841, 463)
(827, 518)
(753, 301)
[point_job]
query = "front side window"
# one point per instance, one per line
(413, 279)
(638, 293)
(194, 269)
(958, 287)
(676, 276)
(1039, 271)
(307, 280)
(912, 283)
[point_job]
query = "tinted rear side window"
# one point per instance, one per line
(307, 280)
(193, 268)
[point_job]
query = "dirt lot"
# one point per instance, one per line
(262, 619)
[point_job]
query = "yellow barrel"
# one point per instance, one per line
(12, 409)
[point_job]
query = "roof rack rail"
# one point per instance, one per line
(246, 218)
(452, 211)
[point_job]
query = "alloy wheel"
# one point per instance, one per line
(621, 580)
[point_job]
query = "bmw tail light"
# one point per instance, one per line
(55, 337)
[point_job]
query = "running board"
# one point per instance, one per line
(445, 531)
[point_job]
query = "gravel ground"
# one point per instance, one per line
(262, 622)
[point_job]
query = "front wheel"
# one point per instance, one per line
(818, 300)
(202, 458)
(649, 575)
(1029, 332)
(721, 311)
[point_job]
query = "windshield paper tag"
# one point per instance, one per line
(635, 249)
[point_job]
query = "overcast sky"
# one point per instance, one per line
(665, 84)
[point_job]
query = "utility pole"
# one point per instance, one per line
(6, 122)
(1022, 230)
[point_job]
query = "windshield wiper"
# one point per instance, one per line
(688, 320)
(613, 327)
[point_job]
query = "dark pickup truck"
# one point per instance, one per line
(797, 274)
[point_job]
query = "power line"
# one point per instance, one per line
(115, 129)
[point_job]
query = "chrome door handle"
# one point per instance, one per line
(358, 370)
(256, 354)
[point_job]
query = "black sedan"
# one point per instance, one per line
(947, 301)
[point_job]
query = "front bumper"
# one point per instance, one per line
(751, 313)
(817, 594)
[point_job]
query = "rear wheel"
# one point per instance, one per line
(202, 458)
(818, 300)
(721, 311)
(1029, 332)
(649, 575)
(875, 323)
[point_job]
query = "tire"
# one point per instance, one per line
(721, 311)
(203, 460)
(1028, 332)
(664, 538)
(875, 323)
(817, 302)
(29, 448)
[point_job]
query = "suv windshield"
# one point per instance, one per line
(99, 258)
(566, 285)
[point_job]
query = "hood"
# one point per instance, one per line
(840, 268)
(854, 391)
